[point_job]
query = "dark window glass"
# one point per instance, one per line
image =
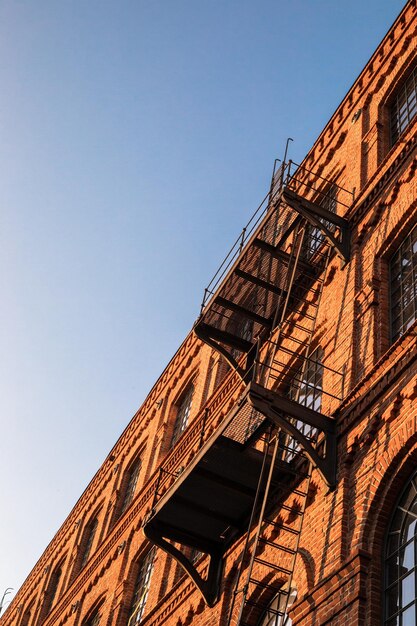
(88, 541)
(142, 585)
(183, 415)
(404, 106)
(27, 615)
(400, 605)
(53, 587)
(403, 277)
(131, 485)
(94, 620)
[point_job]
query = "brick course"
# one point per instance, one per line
(338, 572)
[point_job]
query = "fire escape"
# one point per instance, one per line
(250, 480)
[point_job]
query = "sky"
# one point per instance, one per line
(136, 139)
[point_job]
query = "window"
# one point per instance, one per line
(131, 485)
(400, 561)
(27, 615)
(403, 278)
(183, 414)
(52, 588)
(314, 237)
(87, 542)
(307, 389)
(94, 619)
(142, 585)
(404, 106)
(276, 614)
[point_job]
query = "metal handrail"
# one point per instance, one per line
(288, 175)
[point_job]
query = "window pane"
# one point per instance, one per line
(142, 586)
(403, 284)
(407, 558)
(407, 589)
(403, 108)
(392, 569)
(391, 601)
(400, 562)
(408, 618)
(183, 414)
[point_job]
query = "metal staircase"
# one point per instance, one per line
(251, 476)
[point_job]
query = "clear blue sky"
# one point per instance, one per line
(136, 138)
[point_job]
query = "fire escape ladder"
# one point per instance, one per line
(263, 584)
(271, 546)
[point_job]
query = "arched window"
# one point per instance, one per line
(87, 542)
(94, 619)
(183, 414)
(94, 615)
(403, 283)
(276, 614)
(400, 560)
(130, 484)
(143, 581)
(52, 589)
(403, 105)
(27, 614)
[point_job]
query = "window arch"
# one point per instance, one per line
(403, 107)
(400, 560)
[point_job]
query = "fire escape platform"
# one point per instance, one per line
(209, 505)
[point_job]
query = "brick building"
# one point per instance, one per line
(271, 474)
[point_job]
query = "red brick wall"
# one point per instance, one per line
(338, 569)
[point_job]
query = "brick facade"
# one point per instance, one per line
(338, 570)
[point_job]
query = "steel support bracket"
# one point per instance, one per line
(284, 413)
(208, 587)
